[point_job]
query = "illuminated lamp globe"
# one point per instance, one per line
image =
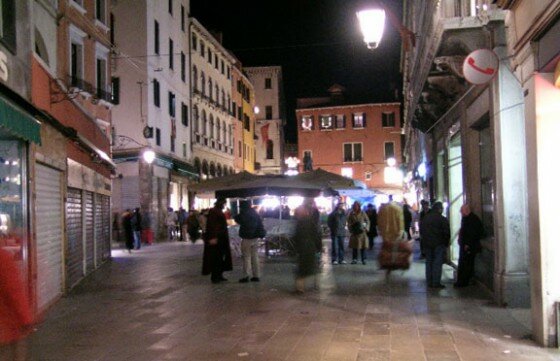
(149, 156)
(391, 162)
(372, 24)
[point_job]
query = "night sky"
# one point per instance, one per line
(317, 43)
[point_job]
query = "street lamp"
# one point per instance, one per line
(372, 24)
(149, 156)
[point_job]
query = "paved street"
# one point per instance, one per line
(155, 305)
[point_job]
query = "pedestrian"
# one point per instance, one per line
(435, 233)
(307, 243)
(407, 216)
(171, 223)
(217, 252)
(193, 225)
(372, 233)
(16, 318)
(396, 250)
(128, 231)
(136, 225)
(337, 225)
(424, 209)
(251, 228)
(470, 234)
(182, 219)
(147, 232)
(358, 225)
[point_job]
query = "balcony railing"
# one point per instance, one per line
(75, 82)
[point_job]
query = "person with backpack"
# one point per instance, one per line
(251, 228)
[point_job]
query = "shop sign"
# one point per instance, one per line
(3, 66)
(480, 66)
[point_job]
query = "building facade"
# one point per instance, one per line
(270, 120)
(485, 144)
(354, 140)
(152, 74)
(211, 89)
(244, 124)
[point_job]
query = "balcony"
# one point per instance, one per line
(82, 85)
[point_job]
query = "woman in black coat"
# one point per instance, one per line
(217, 254)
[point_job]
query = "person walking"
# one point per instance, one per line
(146, 225)
(171, 223)
(372, 233)
(136, 225)
(16, 318)
(182, 219)
(193, 225)
(435, 233)
(358, 225)
(337, 225)
(396, 250)
(128, 231)
(217, 252)
(307, 243)
(407, 217)
(470, 234)
(251, 228)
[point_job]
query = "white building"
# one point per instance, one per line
(269, 95)
(211, 80)
(152, 73)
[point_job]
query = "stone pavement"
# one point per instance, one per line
(155, 305)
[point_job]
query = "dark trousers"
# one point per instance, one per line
(337, 248)
(355, 254)
(434, 262)
(371, 238)
(466, 267)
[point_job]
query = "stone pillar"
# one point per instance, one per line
(511, 276)
(145, 176)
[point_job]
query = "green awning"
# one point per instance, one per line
(19, 123)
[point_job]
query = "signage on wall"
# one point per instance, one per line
(3, 66)
(480, 66)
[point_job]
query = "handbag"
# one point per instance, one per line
(356, 228)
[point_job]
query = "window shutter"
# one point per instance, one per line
(364, 120)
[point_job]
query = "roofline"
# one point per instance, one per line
(209, 36)
(349, 106)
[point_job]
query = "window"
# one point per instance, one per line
(368, 176)
(239, 112)
(76, 54)
(246, 122)
(326, 121)
(234, 109)
(389, 150)
(223, 66)
(340, 121)
(112, 26)
(170, 6)
(156, 37)
(156, 93)
(182, 18)
(346, 172)
(388, 119)
(195, 119)
(209, 55)
(216, 62)
(184, 150)
(100, 9)
(101, 77)
(171, 98)
(202, 48)
(268, 111)
(352, 152)
(170, 54)
(202, 83)
(183, 67)
(184, 114)
(359, 120)
(307, 122)
(194, 41)
(268, 83)
(210, 89)
(115, 90)
(269, 149)
(239, 148)
(228, 72)
(172, 143)
(158, 136)
(195, 78)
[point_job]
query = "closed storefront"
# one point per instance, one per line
(75, 249)
(49, 235)
(89, 255)
(102, 223)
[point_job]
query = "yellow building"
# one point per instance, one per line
(244, 126)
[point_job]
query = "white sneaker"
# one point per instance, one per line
(343, 262)
(334, 262)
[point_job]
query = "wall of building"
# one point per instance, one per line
(326, 146)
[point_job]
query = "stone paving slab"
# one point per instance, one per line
(154, 305)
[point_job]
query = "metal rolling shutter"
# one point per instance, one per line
(99, 231)
(90, 241)
(75, 251)
(49, 235)
(130, 193)
(106, 217)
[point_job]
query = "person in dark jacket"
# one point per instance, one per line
(217, 253)
(136, 225)
(435, 233)
(472, 231)
(307, 242)
(407, 216)
(128, 231)
(337, 226)
(251, 228)
(372, 233)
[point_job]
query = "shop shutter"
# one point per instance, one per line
(89, 234)
(75, 250)
(106, 216)
(130, 193)
(49, 227)
(99, 228)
